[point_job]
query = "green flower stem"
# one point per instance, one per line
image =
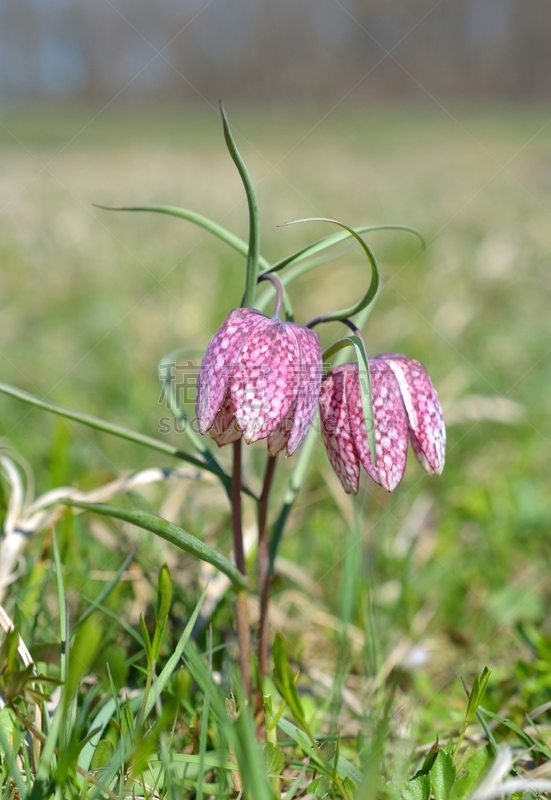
(279, 293)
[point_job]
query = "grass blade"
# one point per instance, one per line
(172, 533)
(107, 589)
(172, 662)
(12, 768)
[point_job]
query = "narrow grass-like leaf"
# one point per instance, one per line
(207, 224)
(107, 589)
(63, 622)
(164, 599)
(13, 770)
(370, 255)
(477, 693)
(492, 744)
(344, 767)
(95, 605)
(284, 680)
(98, 725)
(203, 745)
(475, 696)
(172, 533)
(528, 741)
(82, 654)
(103, 754)
(213, 758)
(172, 662)
(329, 241)
(146, 641)
(238, 735)
(249, 757)
(111, 428)
(253, 251)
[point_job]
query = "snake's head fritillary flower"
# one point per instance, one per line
(405, 405)
(260, 378)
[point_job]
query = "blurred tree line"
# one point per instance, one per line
(264, 50)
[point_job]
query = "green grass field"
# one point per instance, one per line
(401, 594)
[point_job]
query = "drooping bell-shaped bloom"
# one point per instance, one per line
(405, 406)
(260, 378)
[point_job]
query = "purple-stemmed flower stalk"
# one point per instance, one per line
(405, 407)
(260, 379)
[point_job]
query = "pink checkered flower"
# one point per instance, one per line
(260, 378)
(405, 406)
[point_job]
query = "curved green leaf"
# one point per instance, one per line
(335, 238)
(114, 430)
(197, 219)
(373, 286)
(171, 532)
(253, 252)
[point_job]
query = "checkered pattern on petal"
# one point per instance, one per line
(335, 428)
(264, 385)
(219, 361)
(309, 382)
(426, 424)
(390, 424)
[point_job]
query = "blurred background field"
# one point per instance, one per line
(457, 567)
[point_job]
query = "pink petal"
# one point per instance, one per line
(278, 439)
(390, 420)
(309, 382)
(426, 424)
(225, 428)
(336, 431)
(264, 385)
(219, 361)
